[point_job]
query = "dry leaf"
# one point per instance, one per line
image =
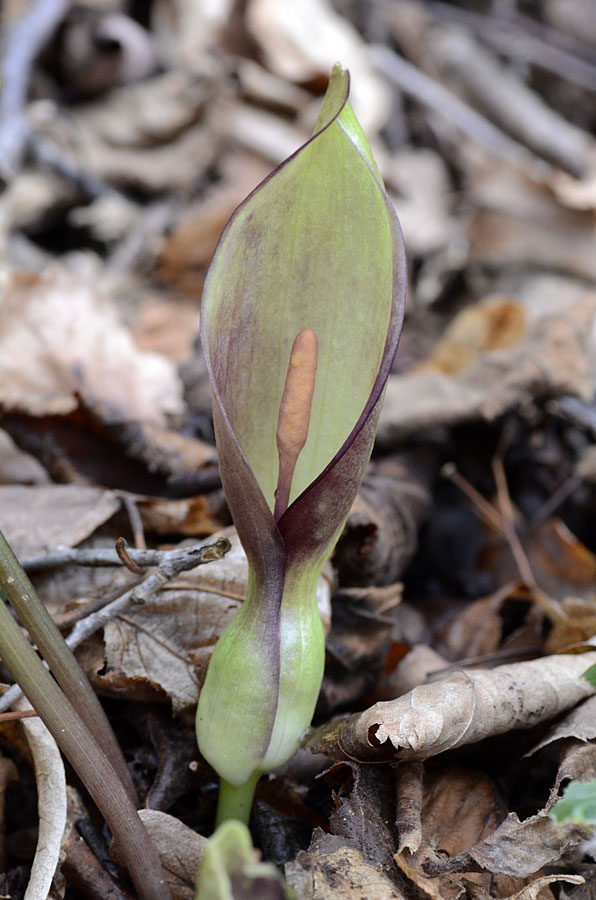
(74, 343)
(580, 723)
(520, 849)
(156, 135)
(163, 643)
(17, 467)
(334, 868)
(459, 808)
(529, 892)
(553, 357)
(462, 708)
(302, 41)
(179, 848)
(42, 517)
(51, 804)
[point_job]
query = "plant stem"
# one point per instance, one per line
(87, 758)
(69, 675)
(235, 802)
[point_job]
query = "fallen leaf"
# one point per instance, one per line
(333, 867)
(460, 709)
(74, 343)
(179, 848)
(458, 808)
(155, 135)
(295, 50)
(520, 849)
(552, 359)
(38, 518)
(531, 891)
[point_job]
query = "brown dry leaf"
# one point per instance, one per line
(179, 848)
(334, 868)
(187, 251)
(17, 467)
(42, 517)
(417, 663)
(74, 343)
(551, 357)
(531, 891)
(156, 135)
(519, 222)
(520, 849)
(463, 708)
(302, 41)
(460, 807)
(580, 723)
(164, 642)
(192, 516)
(381, 534)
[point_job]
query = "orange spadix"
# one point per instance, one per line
(294, 412)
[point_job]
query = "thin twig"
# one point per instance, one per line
(123, 555)
(503, 522)
(18, 714)
(134, 517)
(96, 557)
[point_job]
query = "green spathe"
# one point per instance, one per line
(316, 246)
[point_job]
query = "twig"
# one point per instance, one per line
(123, 555)
(134, 517)
(96, 557)
(172, 563)
(433, 95)
(18, 714)
(503, 521)
(21, 48)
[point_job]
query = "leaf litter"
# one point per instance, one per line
(462, 596)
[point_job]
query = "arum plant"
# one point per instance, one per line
(300, 320)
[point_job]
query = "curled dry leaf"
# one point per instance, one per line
(167, 642)
(42, 517)
(463, 708)
(74, 343)
(51, 803)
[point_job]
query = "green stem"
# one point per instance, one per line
(235, 802)
(22, 596)
(86, 757)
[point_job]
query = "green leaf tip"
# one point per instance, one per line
(230, 869)
(578, 804)
(315, 251)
